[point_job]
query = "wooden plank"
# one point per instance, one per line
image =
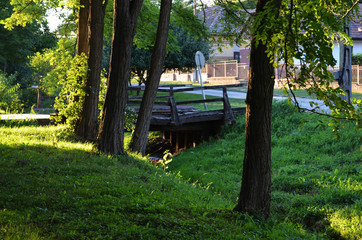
(184, 89)
(140, 97)
(174, 114)
(200, 101)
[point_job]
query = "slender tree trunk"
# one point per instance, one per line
(256, 181)
(139, 138)
(87, 127)
(111, 131)
(83, 15)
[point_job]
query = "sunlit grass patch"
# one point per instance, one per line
(347, 221)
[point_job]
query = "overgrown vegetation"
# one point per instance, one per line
(54, 187)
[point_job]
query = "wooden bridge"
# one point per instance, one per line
(181, 123)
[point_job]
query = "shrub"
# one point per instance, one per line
(9, 94)
(357, 59)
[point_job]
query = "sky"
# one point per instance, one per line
(53, 17)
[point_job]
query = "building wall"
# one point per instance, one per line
(357, 48)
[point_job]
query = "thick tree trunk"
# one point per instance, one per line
(139, 138)
(111, 131)
(256, 181)
(83, 15)
(87, 127)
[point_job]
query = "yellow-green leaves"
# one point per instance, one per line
(28, 11)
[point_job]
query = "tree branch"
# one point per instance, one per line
(245, 9)
(348, 11)
(27, 5)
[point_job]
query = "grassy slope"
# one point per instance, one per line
(317, 179)
(53, 187)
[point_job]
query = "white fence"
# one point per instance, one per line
(233, 69)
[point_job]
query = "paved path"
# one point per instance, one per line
(23, 116)
(303, 102)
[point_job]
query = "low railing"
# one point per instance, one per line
(173, 105)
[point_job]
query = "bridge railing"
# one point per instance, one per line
(173, 105)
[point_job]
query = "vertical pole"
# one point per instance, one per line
(345, 76)
(228, 112)
(225, 69)
(177, 141)
(358, 74)
(38, 99)
(207, 70)
(202, 85)
(173, 109)
(213, 70)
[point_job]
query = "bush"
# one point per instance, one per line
(357, 59)
(9, 94)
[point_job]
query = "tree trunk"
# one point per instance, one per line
(83, 14)
(111, 131)
(256, 181)
(88, 125)
(139, 138)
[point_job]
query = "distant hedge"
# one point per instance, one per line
(357, 59)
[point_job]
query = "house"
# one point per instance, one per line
(229, 62)
(232, 51)
(225, 51)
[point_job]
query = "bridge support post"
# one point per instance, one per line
(228, 112)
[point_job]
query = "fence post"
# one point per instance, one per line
(228, 112)
(358, 81)
(214, 71)
(174, 114)
(225, 69)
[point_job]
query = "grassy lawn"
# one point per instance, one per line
(53, 186)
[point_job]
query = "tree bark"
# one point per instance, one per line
(111, 132)
(83, 17)
(87, 127)
(140, 135)
(255, 193)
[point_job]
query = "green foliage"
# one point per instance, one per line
(180, 57)
(25, 12)
(186, 36)
(357, 59)
(71, 78)
(316, 178)
(52, 65)
(130, 119)
(300, 36)
(9, 96)
(16, 46)
(183, 58)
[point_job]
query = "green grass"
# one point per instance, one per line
(317, 178)
(54, 187)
